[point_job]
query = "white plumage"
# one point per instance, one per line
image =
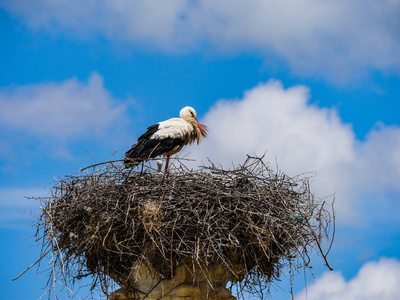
(174, 128)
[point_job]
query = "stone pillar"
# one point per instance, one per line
(187, 283)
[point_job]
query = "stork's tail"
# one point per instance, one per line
(130, 162)
(130, 159)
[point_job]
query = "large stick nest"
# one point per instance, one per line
(107, 221)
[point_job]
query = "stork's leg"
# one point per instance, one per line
(166, 165)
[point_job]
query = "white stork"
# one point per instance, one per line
(167, 138)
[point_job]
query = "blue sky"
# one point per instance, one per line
(315, 84)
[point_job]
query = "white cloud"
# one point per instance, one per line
(375, 280)
(334, 38)
(63, 110)
(16, 205)
(303, 138)
(152, 21)
(44, 121)
(380, 155)
(20, 197)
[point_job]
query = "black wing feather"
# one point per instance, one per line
(147, 148)
(150, 131)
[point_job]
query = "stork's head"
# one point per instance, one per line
(189, 114)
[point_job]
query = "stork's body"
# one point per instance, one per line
(167, 138)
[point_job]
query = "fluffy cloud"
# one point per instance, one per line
(14, 205)
(334, 38)
(375, 280)
(379, 158)
(149, 21)
(62, 110)
(48, 120)
(303, 138)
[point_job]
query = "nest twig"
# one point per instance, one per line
(252, 221)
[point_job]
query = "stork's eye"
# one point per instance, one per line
(192, 114)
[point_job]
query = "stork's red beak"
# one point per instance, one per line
(201, 128)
